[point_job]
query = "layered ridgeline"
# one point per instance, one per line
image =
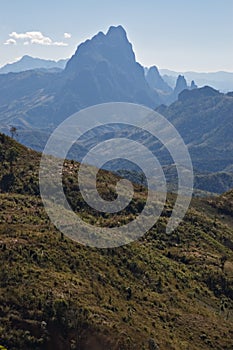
(29, 63)
(222, 81)
(166, 92)
(104, 69)
(204, 119)
(163, 292)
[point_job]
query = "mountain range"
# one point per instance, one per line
(29, 63)
(104, 69)
(167, 94)
(161, 292)
(222, 81)
(204, 119)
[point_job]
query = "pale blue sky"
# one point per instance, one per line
(176, 34)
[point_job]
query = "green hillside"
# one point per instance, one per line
(163, 292)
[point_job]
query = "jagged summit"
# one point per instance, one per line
(193, 85)
(181, 84)
(155, 80)
(104, 69)
(113, 47)
(116, 31)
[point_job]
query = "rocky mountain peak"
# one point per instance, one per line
(112, 47)
(155, 80)
(116, 32)
(193, 85)
(181, 84)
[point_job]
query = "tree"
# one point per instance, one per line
(13, 131)
(11, 155)
(6, 182)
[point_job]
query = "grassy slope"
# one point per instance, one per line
(55, 294)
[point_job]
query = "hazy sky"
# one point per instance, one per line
(176, 34)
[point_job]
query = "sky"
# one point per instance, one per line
(181, 35)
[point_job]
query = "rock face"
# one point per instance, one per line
(104, 69)
(112, 48)
(161, 85)
(193, 85)
(155, 80)
(181, 84)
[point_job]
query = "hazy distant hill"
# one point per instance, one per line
(167, 93)
(222, 81)
(29, 63)
(204, 118)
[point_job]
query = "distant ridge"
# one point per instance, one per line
(203, 118)
(28, 63)
(221, 80)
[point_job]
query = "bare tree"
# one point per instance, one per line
(13, 131)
